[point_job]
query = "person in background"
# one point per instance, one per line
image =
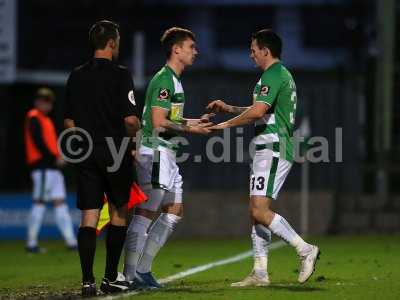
(44, 160)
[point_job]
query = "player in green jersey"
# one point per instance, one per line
(158, 173)
(272, 111)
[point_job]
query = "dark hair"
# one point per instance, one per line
(269, 39)
(101, 32)
(173, 36)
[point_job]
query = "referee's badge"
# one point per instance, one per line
(131, 97)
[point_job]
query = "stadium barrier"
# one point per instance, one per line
(212, 214)
(14, 213)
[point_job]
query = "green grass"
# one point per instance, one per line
(365, 267)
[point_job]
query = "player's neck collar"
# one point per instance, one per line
(273, 64)
(172, 70)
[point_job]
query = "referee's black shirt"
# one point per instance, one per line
(99, 95)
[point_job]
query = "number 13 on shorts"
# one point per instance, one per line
(257, 183)
(268, 174)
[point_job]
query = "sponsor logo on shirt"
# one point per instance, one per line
(264, 90)
(163, 94)
(131, 97)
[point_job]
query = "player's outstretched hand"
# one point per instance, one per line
(219, 126)
(206, 124)
(218, 106)
(206, 117)
(203, 128)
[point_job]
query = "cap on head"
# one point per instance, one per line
(45, 93)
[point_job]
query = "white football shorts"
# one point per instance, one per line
(159, 177)
(48, 185)
(268, 173)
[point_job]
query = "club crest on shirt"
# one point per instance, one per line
(264, 90)
(131, 97)
(163, 94)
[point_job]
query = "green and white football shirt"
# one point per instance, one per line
(277, 89)
(165, 91)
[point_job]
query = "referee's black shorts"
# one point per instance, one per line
(94, 180)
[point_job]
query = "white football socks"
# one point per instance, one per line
(158, 235)
(134, 244)
(64, 223)
(261, 238)
(282, 228)
(34, 223)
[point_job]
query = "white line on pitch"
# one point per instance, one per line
(198, 269)
(226, 261)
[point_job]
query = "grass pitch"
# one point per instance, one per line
(352, 267)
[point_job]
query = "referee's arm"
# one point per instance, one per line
(132, 125)
(129, 108)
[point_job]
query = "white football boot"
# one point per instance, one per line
(307, 264)
(252, 280)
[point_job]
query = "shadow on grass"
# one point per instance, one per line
(192, 290)
(221, 286)
(209, 290)
(294, 288)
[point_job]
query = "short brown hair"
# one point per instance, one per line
(173, 36)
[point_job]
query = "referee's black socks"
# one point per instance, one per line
(114, 243)
(87, 249)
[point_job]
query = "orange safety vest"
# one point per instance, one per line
(48, 133)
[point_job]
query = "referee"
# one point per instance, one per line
(100, 100)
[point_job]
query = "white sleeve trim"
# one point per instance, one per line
(167, 109)
(265, 102)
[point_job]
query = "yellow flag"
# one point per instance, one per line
(104, 218)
